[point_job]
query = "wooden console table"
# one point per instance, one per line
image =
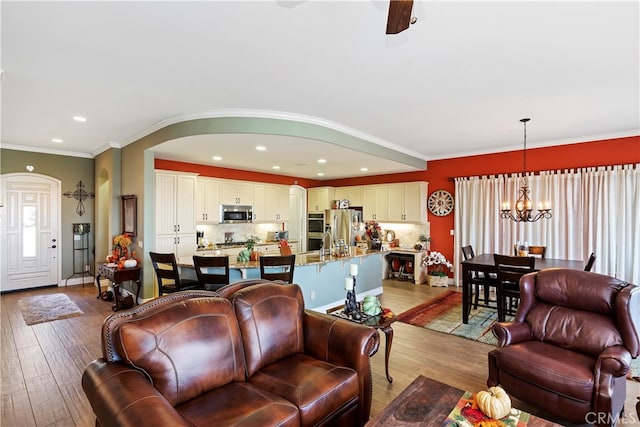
(116, 277)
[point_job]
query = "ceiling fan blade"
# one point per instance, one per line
(399, 15)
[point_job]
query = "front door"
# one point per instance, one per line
(29, 231)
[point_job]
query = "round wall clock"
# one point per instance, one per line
(440, 203)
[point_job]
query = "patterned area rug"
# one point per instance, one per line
(45, 308)
(444, 314)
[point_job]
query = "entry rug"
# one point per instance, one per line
(444, 314)
(45, 308)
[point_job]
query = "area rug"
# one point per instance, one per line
(444, 314)
(45, 308)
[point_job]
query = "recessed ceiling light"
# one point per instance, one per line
(275, 167)
(217, 158)
(79, 119)
(58, 140)
(364, 169)
(29, 168)
(261, 148)
(320, 174)
(322, 160)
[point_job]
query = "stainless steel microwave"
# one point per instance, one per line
(235, 214)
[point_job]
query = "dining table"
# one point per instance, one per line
(485, 263)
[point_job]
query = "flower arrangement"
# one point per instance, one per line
(372, 229)
(437, 262)
(121, 244)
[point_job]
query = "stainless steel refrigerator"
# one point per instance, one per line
(342, 224)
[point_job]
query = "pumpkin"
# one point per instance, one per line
(494, 402)
(371, 305)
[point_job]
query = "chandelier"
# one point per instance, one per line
(523, 211)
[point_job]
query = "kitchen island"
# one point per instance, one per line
(322, 280)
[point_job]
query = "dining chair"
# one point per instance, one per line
(510, 270)
(478, 279)
(277, 267)
(211, 280)
(590, 262)
(168, 275)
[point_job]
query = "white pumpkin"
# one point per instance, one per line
(494, 402)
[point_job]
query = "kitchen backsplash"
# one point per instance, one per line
(215, 233)
(407, 234)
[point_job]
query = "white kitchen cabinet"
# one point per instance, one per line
(207, 200)
(407, 202)
(320, 199)
(354, 194)
(259, 210)
(277, 203)
(236, 193)
(174, 210)
(270, 202)
(375, 203)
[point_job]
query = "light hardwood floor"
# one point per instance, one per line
(41, 365)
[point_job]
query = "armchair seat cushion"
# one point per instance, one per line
(314, 386)
(565, 371)
(240, 405)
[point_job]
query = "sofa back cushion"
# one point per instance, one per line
(186, 349)
(270, 317)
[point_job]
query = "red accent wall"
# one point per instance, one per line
(439, 172)
(227, 173)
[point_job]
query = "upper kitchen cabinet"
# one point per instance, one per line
(236, 193)
(174, 211)
(354, 194)
(207, 200)
(320, 199)
(375, 202)
(407, 202)
(277, 202)
(270, 203)
(258, 211)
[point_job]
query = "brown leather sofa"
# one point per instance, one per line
(570, 346)
(256, 358)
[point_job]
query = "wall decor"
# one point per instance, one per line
(129, 214)
(80, 194)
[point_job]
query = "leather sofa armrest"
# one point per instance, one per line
(509, 333)
(343, 343)
(123, 396)
(615, 360)
(337, 340)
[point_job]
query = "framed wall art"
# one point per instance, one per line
(129, 214)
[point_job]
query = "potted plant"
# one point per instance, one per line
(248, 254)
(435, 263)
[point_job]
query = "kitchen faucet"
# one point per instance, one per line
(323, 246)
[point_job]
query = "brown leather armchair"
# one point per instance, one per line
(570, 345)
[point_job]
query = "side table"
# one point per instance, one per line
(380, 323)
(116, 277)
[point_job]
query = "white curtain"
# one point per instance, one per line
(594, 210)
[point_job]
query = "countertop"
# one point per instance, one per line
(307, 258)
